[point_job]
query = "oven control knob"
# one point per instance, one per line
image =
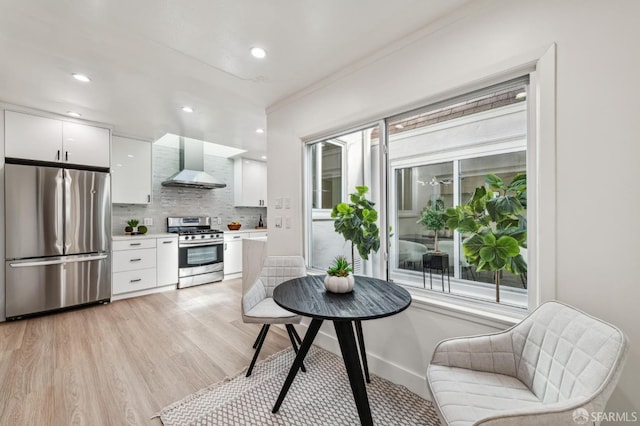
(193, 237)
(201, 236)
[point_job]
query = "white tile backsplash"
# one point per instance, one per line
(169, 201)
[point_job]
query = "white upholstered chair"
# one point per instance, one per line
(554, 368)
(258, 305)
(410, 253)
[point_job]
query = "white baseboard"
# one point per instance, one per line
(415, 382)
(153, 290)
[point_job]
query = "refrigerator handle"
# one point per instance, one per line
(60, 207)
(57, 261)
(66, 189)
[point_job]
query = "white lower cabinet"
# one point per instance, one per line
(140, 279)
(167, 261)
(233, 251)
(134, 265)
(131, 260)
(232, 254)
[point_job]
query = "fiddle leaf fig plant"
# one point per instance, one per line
(356, 222)
(494, 226)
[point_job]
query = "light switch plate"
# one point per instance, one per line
(278, 222)
(278, 203)
(287, 202)
(147, 221)
(287, 222)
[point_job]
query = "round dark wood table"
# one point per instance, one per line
(371, 298)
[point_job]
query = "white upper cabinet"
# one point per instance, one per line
(250, 183)
(37, 138)
(87, 145)
(131, 171)
(31, 137)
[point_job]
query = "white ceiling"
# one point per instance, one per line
(148, 58)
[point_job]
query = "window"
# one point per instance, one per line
(435, 158)
(334, 167)
(438, 156)
(326, 165)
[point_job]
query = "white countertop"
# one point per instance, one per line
(143, 236)
(243, 230)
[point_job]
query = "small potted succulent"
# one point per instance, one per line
(339, 278)
(131, 226)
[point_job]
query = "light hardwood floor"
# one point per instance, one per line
(120, 363)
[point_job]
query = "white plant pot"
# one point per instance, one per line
(338, 284)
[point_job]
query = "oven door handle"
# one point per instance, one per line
(199, 244)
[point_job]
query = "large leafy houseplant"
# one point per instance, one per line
(433, 218)
(494, 226)
(356, 222)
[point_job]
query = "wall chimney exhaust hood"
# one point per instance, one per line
(192, 174)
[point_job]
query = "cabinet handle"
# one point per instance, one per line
(135, 244)
(66, 156)
(149, 198)
(225, 246)
(136, 280)
(135, 260)
(167, 242)
(58, 156)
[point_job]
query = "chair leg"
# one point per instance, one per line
(255, 344)
(295, 334)
(263, 334)
(290, 331)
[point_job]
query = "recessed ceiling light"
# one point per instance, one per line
(187, 108)
(399, 126)
(264, 157)
(258, 52)
(521, 95)
(130, 155)
(259, 130)
(74, 114)
(81, 77)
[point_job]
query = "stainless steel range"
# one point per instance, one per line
(200, 250)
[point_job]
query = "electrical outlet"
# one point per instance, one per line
(148, 221)
(287, 222)
(278, 222)
(287, 202)
(219, 220)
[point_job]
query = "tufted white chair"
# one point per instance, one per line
(257, 300)
(556, 367)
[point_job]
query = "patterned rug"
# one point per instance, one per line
(321, 396)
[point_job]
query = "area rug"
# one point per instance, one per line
(321, 396)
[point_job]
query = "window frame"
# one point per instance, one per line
(540, 65)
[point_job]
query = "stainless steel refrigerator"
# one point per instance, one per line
(58, 238)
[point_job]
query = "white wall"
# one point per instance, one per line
(596, 152)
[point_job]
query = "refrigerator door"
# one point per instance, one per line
(87, 223)
(33, 211)
(39, 285)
